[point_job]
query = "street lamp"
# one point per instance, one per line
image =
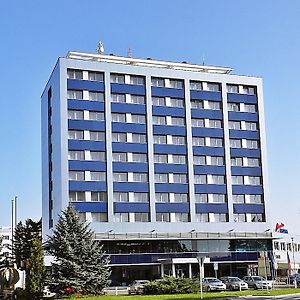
(201, 262)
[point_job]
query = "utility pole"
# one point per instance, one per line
(293, 249)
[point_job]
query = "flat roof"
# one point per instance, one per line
(141, 62)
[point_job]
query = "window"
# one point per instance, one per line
(218, 179)
(82, 216)
(199, 160)
(177, 102)
(196, 85)
(115, 117)
(98, 176)
(178, 140)
(75, 114)
(217, 161)
(117, 78)
(137, 80)
(96, 96)
(251, 126)
(141, 217)
(99, 217)
(140, 119)
(96, 116)
(159, 139)
(76, 155)
(161, 178)
(119, 156)
(252, 144)
(215, 142)
(201, 198)
(97, 156)
(120, 197)
(200, 179)
(76, 196)
(141, 197)
(237, 161)
(159, 101)
(254, 180)
(180, 178)
(197, 123)
(201, 217)
(178, 121)
(240, 218)
(214, 105)
(74, 74)
(198, 141)
(180, 197)
(158, 82)
(234, 125)
(96, 76)
(257, 199)
(139, 138)
(158, 120)
(140, 177)
(99, 196)
(162, 197)
(197, 104)
(162, 217)
(176, 84)
(233, 107)
(97, 136)
(289, 247)
(250, 90)
(237, 179)
(232, 88)
(120, 177)
(220, 217)
(119, 137)
(136, 99)
(179, 159)
(161, 158)
(121, 217)
(76, 175)
(213, 87)
(218, 198)
(73, 94)
(282, 246)
(235, 143)
(257, 218)
(215, 124)
(181, 217)
(238, 198)
(250, 108)
(253, 162)
(75, 134)
(120, 98)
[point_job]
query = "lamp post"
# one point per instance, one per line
(201, 261)
(293, 250)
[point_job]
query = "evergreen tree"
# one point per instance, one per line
(79, 262)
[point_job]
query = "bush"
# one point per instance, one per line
(171, 285)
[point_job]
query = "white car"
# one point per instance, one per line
(257, 282)
(137, 286)
(234, 283)
(213, 284)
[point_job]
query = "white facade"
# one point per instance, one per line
(6, 234)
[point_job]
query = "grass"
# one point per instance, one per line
(212, 295)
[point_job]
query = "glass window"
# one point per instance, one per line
(213, 87)
(218, 198)
(250, 90)
(196, 85)
(253, 162)
(237, 161)
(233, 107)
(257, 199)
(176, 121)
(76, 175)
(96, 96)
(239, 218)
(141, 217)
(232, 88)
(159, 82)
(220, 217)
(82, 216)
(161, 178)
(252, 144)
(251, 108)
(99, 196)
(234, 125)
(218, 179)
(257, 218)
(141, 197)
(120, 197)
(136, 99)
(254, 180)
(159, 139)
(97, 136)
(197, 104)
(161, 158)
(215, 123)
(119, 156)
(140, 119)
(200, 179)
(177, 102)
(117, 78)
(201, 198)
(216, 142)
(217, 161)
(75, 134)
(159, 101)
(237, 179)
(74, 74)
(76, 95)
(276, 245)
(137, 80)
(251, 126)
(96, 116)
(119, 137)
(115, 117)
(199, 160)
(178, 140)
(139, 157)
(120, 98)
(198, 141)
(162, 197)
(159, 120)
(238, 198)
(179, 178)
(75, 114)
(98, 176)
(176, 84)
(140, 177)
(76, 196)
(139, 138)
(181, 217)
(201, 217)
(96, 76)
(121, 217)
(97, 156)
(197, 123)
(282, 246)
(76, 155)
(234, 143)
(120, 177)
(99, 217)
(214, 105)
(180, 197)
(162, 217)
(179, 159)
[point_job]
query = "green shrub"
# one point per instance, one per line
(171, 285)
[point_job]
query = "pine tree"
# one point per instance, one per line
(80, 263)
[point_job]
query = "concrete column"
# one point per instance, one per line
(162, 270)
(173, 270)
(190, 270)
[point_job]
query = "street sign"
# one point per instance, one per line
(216, 266)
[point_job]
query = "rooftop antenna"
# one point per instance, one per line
(129, 52)
(100, 48)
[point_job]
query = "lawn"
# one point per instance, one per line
(212, 295)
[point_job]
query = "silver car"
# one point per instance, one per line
(137, 286)
(234, 283)
(257, 282)
(213, 284)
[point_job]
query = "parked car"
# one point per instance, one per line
(257, 282)
(213, 284)
(292, 278)
(234, 283)
(137, 286)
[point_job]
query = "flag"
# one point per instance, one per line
(289, 262)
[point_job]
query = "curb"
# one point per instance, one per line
(269, 297)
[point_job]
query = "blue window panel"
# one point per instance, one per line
(129, 127)
(207, 113)
(87, 105)
(244, 134)
(172, 207)
(94, 186)
(172, 149)
(206, 95)
(218, 170)
(86, 145)
(210, 188)
(242, 116)
(203, 150)
(239, 152)
(232, 97)
(211, 208)
(167, 92)
(212, 132)
(121, 207)
(90, 206)
(75, 84)
(247, 189)
(170, 168)
(171, 188)
(248, 208)
(168, 111)
(251, 171)
(128, 89)
(128, 108)
(86, 125)
(167, 129)
(130, 167)
(87, 165)
(129, 147)
(131, 187)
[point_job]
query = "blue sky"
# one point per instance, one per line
(254, 37)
